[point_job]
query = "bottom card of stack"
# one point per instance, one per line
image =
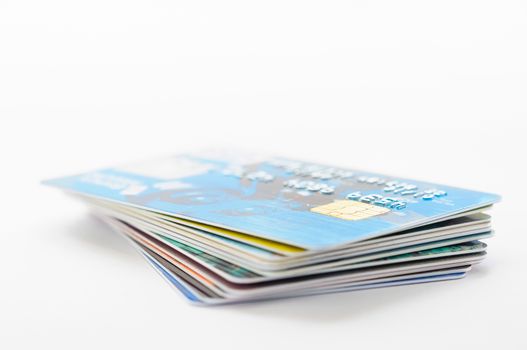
(193, 295)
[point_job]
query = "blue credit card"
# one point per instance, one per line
(306, 205)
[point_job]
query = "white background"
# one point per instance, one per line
(430, 90)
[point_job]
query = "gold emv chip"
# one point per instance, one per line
(349, 210)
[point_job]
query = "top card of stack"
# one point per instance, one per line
(283, 206)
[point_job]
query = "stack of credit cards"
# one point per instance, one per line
(226, 228)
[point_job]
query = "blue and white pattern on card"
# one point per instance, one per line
(310, 206)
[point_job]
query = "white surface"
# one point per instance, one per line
(435, 91)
